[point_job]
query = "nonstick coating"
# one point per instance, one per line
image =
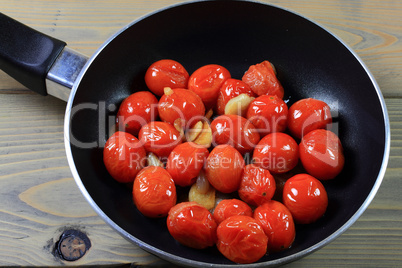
(310, 62)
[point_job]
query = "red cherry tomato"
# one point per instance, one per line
(166, 73)
(257, 185)
(268, 113)
(123, 156)
(137, 110)
(185, 162)
(262, 80)
(192, 225)
(181, 103)
(241, 239)
(154, 192)
(231, 207)
(231, 88)
(236, 131)
(321, 154)
(207, 81)
(224, 168)
(308, 114)
(305, 197)
(159, 138)
(278, 152)
(277, 223)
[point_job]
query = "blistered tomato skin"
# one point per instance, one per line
(154, 192)
(181, 103)
(166, 73)
(159, 138)
(185, 163)
(231, 88)
(123, 156)
(268, 113)
(305, 197)
(278, 152)
(192, 225)
(224, 168)
(277, 223)
(257, 185)
(206, 82)
(308, 114)
(241, 239)
(231, 207)
(321, 154)
(262, 79)
(236, 131)
(137, 110)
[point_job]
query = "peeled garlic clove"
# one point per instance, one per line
(205, 137)
(154, 160)
(168, 91)
(202, 192)
(238, 105)
(194, 132)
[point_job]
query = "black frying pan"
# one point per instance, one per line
(310, 61)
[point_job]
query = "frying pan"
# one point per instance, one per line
(311, 62)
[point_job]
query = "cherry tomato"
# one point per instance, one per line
(137, 110)
(305, 197)
(224, 168)
(123, 156)
(166, 73)
(308, 114)
(262, 80)
(278, 152)
(321, 154)
(231, 88)
(159, 138)
(257, 185)
(236, 131)
(181, 103)
(277, 223)
(268, 113)
(185, 162)
(206, 82)
(241, 239)
(154, 192)
(231, 207)
(192, 225)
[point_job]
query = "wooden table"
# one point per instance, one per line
(39, 198)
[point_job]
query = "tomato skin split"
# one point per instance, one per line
(262, 79)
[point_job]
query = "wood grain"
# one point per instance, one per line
(39, 198)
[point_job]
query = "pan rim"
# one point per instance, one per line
(184, 261)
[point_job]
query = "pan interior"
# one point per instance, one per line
(235, 34)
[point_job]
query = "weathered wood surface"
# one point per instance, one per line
(39, 198)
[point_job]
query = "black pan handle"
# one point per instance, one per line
(26, 54)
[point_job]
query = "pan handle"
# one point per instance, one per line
(36, 60)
